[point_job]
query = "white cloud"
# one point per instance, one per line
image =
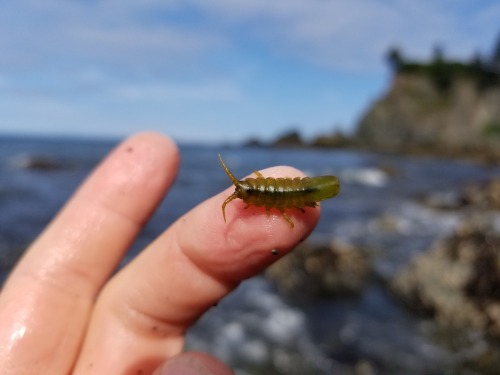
(355, 35)
(67, 33)
(155, 34)
(217, 91)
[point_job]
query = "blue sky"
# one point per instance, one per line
(216, 70)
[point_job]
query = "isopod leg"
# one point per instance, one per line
(228, 199)
(258, 174)
(287, 218)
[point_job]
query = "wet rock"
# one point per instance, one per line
(444, 200)
(484, 195)
(458, 280)
(321, 271)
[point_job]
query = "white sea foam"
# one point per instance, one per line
(255, 327)
(373, 177)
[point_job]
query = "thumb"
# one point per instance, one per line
(194, 363)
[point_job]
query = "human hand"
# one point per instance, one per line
(62, 310)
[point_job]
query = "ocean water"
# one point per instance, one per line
(255, 329)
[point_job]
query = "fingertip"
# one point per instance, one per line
(249, 240)
(153, 138)
(144, 163)
(151, 149)
(239, 211)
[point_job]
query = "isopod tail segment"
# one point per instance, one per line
(281, 193)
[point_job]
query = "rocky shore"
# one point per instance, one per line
(321, 271)
(457, 280)
(453, 286)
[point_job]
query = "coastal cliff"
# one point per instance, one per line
(422, 112)
(439, 107)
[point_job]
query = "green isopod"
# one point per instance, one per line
(281, 193)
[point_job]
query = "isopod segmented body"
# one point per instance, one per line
(281, 193)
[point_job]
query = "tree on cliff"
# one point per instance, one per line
(395, 59)
(440, 71)
(495, 57)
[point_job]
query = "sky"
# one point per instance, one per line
(216, 70)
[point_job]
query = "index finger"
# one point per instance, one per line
(145, 310)
(47, 301)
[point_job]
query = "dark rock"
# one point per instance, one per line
(444, 200)
(291, 138)
(483, 196)
(35, 162)
(320, 271)
(336, 140)
(254, 142)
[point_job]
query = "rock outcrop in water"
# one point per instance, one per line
(35, 162)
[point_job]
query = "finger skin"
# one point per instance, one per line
(146, 308)
(46, 302)
(193, 363)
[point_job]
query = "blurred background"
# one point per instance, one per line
(400, 99)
